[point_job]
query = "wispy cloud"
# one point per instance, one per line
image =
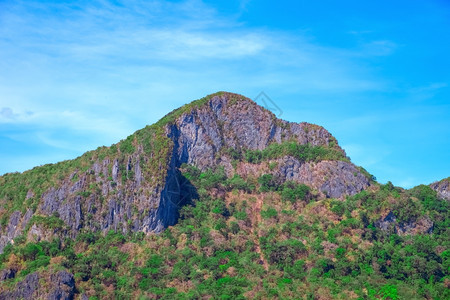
(422, 93)
(6, 113)
(104, 69)
(70, 56)
(379, 48)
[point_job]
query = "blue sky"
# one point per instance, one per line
(75, 75)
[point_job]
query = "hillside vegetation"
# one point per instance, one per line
(260, 241)
(220, 200)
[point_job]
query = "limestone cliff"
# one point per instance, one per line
(136, 184)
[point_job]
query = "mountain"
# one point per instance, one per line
(135, 184)
(218, 199)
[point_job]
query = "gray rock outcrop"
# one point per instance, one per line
(25, 289)
(442, 188)
(61, 286)
(421, 226)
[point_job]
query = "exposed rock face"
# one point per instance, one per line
(7, 274)
(200, 135)
(334, 178)
(421, 226)
(63, 286)
(17, 223)
(68, 211)
(60, 287)
(442, 188)
(24, 290)
(113, 193)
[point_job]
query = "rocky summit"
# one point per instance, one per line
(219, 200)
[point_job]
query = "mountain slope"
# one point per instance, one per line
(134, 185)
(260, 207)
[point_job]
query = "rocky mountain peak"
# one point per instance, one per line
(226, 120)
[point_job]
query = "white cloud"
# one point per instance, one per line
(104, 70)
(101, 55)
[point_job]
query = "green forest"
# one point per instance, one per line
(255, 239)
